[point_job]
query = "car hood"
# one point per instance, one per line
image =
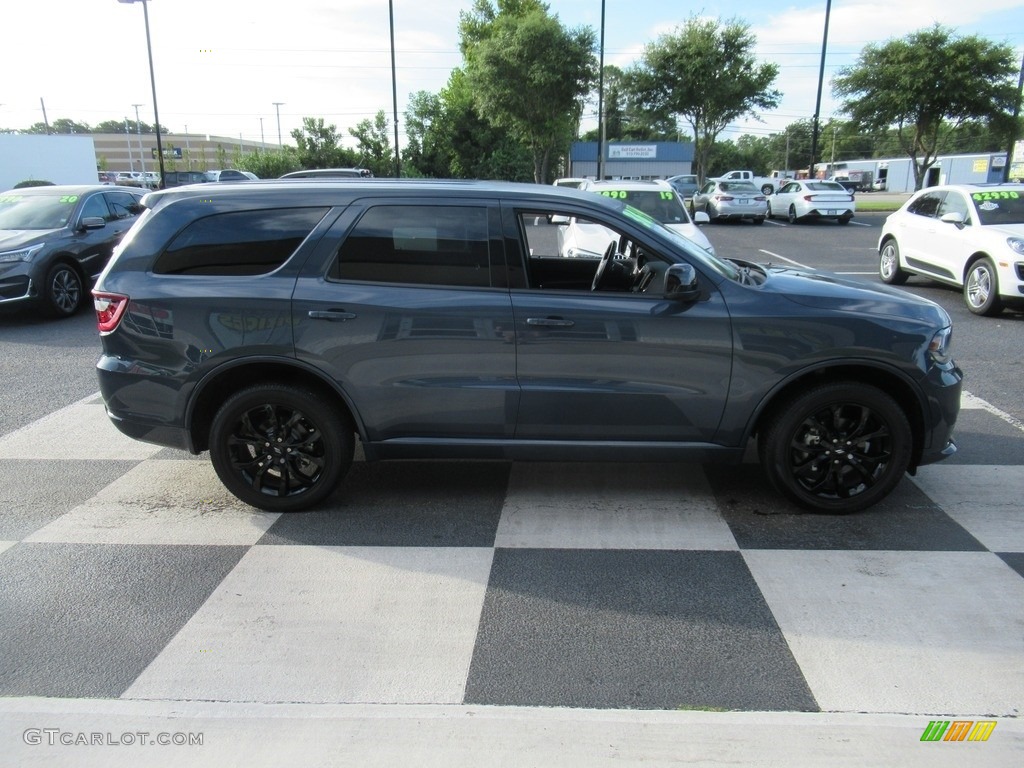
(692, 232)
(1004, 230)
(826, 290)
(20, 238)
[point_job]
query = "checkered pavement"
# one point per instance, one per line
(127, 572)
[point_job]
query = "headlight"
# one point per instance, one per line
(23, 254)
(1016, 244)
(938, 348)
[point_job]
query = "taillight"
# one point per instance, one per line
(109, 309)
(724, 198)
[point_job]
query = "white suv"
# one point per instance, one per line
(967, 235)
(655, 198)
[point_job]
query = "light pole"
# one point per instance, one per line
(277, 107)
(152, 82)
(138, 135)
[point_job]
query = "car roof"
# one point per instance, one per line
(70, 189)
(290, 189)
(632, 185)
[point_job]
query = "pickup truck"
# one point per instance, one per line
(766, 184)
(850, 185)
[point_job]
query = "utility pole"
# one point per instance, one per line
(277, 106)
(817, 104)
(138, 132)
(1013, 123)
(600, 104)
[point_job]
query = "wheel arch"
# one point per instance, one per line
(971, 261)
(215, 388)
(899, 387)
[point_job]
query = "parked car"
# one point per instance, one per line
(330, 173)
(655, 198)
(568, 182)
(808, 199)
(180, 178)
(722, 200)
(685, 184)
(55, 239)
(435, 319)
(129, 178)
(107, 177)
(878, 185)
(230, 174)
(967, 235)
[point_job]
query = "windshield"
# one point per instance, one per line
(662, 205)
(1000, 206)
(693, 250)
(35, 211)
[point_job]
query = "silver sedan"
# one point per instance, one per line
(722, 200)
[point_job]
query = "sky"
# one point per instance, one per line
(221, 65)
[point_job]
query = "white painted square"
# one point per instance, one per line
(330, 624)
(611, 506)
(80, 431)
(986, 500)
(161, 502)
(900, 631)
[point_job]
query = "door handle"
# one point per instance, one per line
(550, 322)
(331, 314)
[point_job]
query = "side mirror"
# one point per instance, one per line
(953, 217)
(701, 217)
(681, 283)
(92, 222)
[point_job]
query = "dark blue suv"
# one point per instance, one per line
(272, 323)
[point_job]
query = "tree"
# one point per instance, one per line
(319, 145)
(374, 149)
(268, 163)
(926, 82)
(529, 74)
(706, 74)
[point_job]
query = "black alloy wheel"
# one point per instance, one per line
(63, 290)
(279, 447)
(837, 448)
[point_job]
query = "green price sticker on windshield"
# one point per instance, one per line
(618, 194)
(69, 199)
(1000, 195)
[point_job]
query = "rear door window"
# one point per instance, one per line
(418, 244)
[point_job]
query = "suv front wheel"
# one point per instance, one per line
(280, 447)
(837, 448)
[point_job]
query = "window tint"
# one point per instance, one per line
(122, 204)
(240, 243)
(432, 245)
(926, 205)
(94, 207)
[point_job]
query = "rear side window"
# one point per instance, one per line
(238, 243)
(424, 244)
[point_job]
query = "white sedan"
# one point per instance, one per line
(967, 235)
(812, 199)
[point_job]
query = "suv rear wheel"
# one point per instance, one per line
(837, 448)
(279, 447)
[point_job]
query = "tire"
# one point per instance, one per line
(269, 427)
(758, 219)
(693, 209)
(981, 288)
(837, 448)
(792, 215)
(889, 269)
(767, 189)
(769, 214)
(844, 219)
(708, 210)
(63, 290)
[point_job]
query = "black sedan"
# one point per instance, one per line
(54, 239)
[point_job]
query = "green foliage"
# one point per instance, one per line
(319, 146)
(923, 83)
(707, 74)
(268, 164)
(374, 149)
(529, 75)
(33, 183)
